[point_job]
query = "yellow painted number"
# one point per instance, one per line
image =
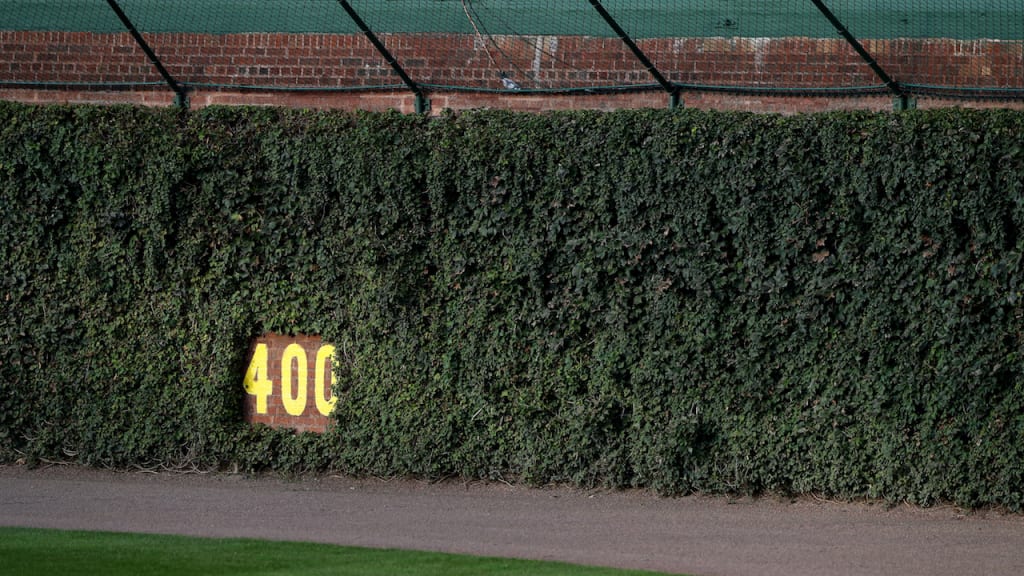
(323, 404)
(293, 390)
(256, 381)
(294, 379)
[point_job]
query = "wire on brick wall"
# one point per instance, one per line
(945, 48)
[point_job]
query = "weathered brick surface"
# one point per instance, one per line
(320, 70)
(311, 420)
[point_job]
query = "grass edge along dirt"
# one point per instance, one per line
(63, 553)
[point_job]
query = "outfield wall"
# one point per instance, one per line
(686, 301)
(345, 71)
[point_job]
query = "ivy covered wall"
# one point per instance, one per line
(687, 301)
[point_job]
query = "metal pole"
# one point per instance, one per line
(422, 104)
(904, 100)
(180, 93)
(672, 89)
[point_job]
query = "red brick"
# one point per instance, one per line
(311, 60)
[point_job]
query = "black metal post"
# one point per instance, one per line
(903, 99)
(672, 89)
(180, 93)
(422, 104)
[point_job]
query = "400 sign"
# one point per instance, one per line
(274, 358)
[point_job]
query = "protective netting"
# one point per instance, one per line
(966, 48)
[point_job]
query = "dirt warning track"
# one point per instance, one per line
(693, 535)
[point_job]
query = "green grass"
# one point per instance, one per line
(55, 553)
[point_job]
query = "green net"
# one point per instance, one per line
(940, 47)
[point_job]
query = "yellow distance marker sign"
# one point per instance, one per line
(289, 383)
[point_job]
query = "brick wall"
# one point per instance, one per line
(300, 382)
(319, 70)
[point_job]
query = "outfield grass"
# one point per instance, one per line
(26, 551)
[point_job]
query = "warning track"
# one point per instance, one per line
(692, 535)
